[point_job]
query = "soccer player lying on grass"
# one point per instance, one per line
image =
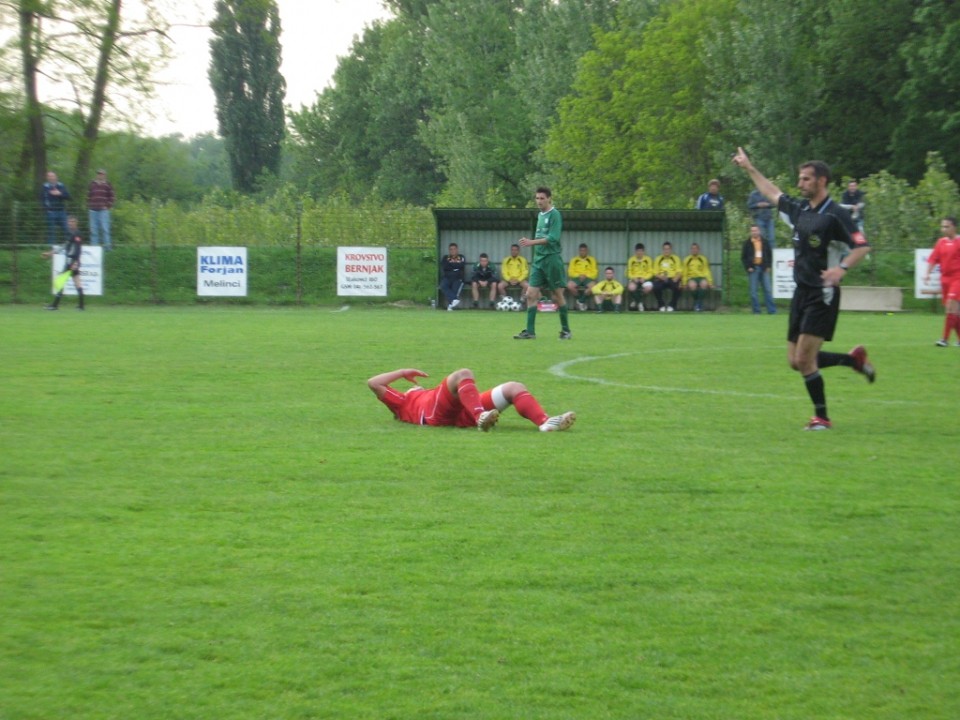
(456, 402)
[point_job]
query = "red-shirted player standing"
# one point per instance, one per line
(946, 254)
(456, 402)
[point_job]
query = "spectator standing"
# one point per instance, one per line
(761, 210)
(582, 271)
(100, 199)
(639, 277)
(53, 198)
(452, 269)
(822, 231)
(946, 254)
(757, 259)
(711, 199)
(484, 278)
(853, 201)
(72, 251)
(667, 274)
(547, 270)
(608, 293)
(697, 276)
(514, 271)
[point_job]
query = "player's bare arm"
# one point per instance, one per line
(765, 186)
(380, 383)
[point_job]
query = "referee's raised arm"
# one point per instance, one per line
(765, 186)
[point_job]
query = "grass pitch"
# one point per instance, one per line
(204, 513)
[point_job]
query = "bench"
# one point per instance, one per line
(871, 299)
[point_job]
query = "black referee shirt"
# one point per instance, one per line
(821, 236)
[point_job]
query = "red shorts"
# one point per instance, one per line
(440, 407)
(950, 288)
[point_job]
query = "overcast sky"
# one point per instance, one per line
(315, 34)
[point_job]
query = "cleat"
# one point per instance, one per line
(566, 335)
(487, 419)
(818, 423)
(82, 309)
(524, 335)
(957, 343)
(942, 343)
(50, 307)
(861, 364)
(559, 422)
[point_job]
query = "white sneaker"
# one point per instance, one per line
(487, 419)
(941, 343)
(559, 422)
(663, 309)
(669, 308)
(640, 307)
(454, 303)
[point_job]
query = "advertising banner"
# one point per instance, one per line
(921, 289)
(783, 284)
(362, 271)
(91, 270)
(222, 271)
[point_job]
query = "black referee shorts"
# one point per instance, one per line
(813, 311)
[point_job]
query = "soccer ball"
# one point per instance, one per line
(508, 304)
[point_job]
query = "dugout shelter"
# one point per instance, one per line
(610, 235)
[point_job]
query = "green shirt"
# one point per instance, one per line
(549, 226)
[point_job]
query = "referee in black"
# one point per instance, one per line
(826, 243)
(72, 252)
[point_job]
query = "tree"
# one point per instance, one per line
(93, 57)
(244, 73)
(929, 98)
(636, 130)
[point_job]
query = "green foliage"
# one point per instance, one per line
(245, 77)
(237, 529)
(931, 107)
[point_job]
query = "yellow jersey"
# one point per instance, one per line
(696, 266)
(586, 266)
(514, 269)
(639, 268)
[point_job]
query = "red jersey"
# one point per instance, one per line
(432, 406)
(421, 406)
(946, 254)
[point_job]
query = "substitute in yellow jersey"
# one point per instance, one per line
(514, 271)
(667, 275)
(582, 272)
(639, 277)
(697, 276)
(608, 293)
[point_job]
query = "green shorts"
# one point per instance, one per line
(549, 273)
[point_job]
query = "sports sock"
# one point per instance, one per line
(947, 326)
(528, 407)
(564, 319)
(532, 319)
(57, 298)
(470, 397)
(817, 392)
(80, 296)
(829, 359)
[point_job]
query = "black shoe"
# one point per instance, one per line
(51, 307)
(566, 335)
(524, 335)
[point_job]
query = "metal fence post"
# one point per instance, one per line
(14, 260)
(299, 252)
(154, 264)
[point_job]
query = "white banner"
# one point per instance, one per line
(783, 284)
(921, 289)
(222, 271)
(91, 270)
(362, 271)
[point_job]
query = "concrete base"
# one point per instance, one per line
(872, 299)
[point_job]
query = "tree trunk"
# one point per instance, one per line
(36, 139)
(91, 128)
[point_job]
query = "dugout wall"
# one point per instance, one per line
(610, 235)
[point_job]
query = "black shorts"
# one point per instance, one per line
(813, 311)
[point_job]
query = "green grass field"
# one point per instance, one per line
(204, 513)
